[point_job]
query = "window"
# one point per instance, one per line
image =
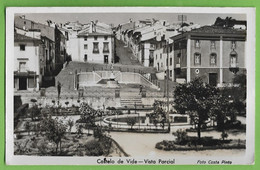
(22, 66)
(22, 47)
(95, 47)
(212, 44)
(41, 71)
(85, 46)
(170, 61)
(85, 58)
(233, 59)
(95, 37)
(166, 62)
(233, 44)
(213, 59)
(31, 83)
(171, 48)
(179, 58)
(85, 38)
(156, 56)
(160, 56)
(105, 37)
(164, 49)
(197, 58)
(170, 73)
(161, 64)
(105, 47)
(197, 43)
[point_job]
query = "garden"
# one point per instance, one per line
(48, 131)
(212, 111)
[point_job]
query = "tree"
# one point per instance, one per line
(79, 128)
(131, 121)
(34, 112)
(70, 124)
(159, 115)
(54, 130)
(87, 116)
(28, 127)
(221, 109)
(195, 98)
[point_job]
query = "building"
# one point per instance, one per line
(28, 60)
(122, 31)
(94, 44)
(54, 47)
(214, 53)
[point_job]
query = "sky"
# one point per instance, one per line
(117, 18)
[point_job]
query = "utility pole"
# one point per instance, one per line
(167, 86)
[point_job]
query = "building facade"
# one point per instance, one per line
(94, 44)
(213, 53)
(54, 48)
(28, 61)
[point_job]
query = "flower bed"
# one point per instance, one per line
(206, 143)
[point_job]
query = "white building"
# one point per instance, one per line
(94, 43)
(28, 60)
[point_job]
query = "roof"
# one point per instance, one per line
(213, 32)
(20, 37)
(217, 30)
(100, 29)
(128, 26)
(46, 30)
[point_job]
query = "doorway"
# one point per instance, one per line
(23, 83)
(106, 59)
(213, 79)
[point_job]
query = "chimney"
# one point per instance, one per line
(91, 27)
(23, 16)
(130, 20)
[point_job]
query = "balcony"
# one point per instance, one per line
(234, 68)
(105, 50)
(96, 51)
(178, 66)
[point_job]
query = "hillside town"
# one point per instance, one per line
(118, 82)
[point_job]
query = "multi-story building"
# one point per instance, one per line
(161, 60)
(213, 53)
(54, 48)
(94, 43)
(123, 30)
(28, 60)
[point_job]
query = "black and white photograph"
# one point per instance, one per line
(130, 86)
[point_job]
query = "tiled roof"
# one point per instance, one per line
(20, 37)
(127, 26)
(101, 29)
(218, 30)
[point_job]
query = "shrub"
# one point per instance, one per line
(181, 136)
(94, 148)
(159, 146)
(224, 135)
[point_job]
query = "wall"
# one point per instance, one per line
(205, 50)
(94, 57)
(32, 59)
(240, 50)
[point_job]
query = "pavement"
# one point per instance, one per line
(125, 54)
(138, 144)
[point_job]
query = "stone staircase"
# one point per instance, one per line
(130, 102)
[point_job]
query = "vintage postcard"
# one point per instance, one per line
(130, 86)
